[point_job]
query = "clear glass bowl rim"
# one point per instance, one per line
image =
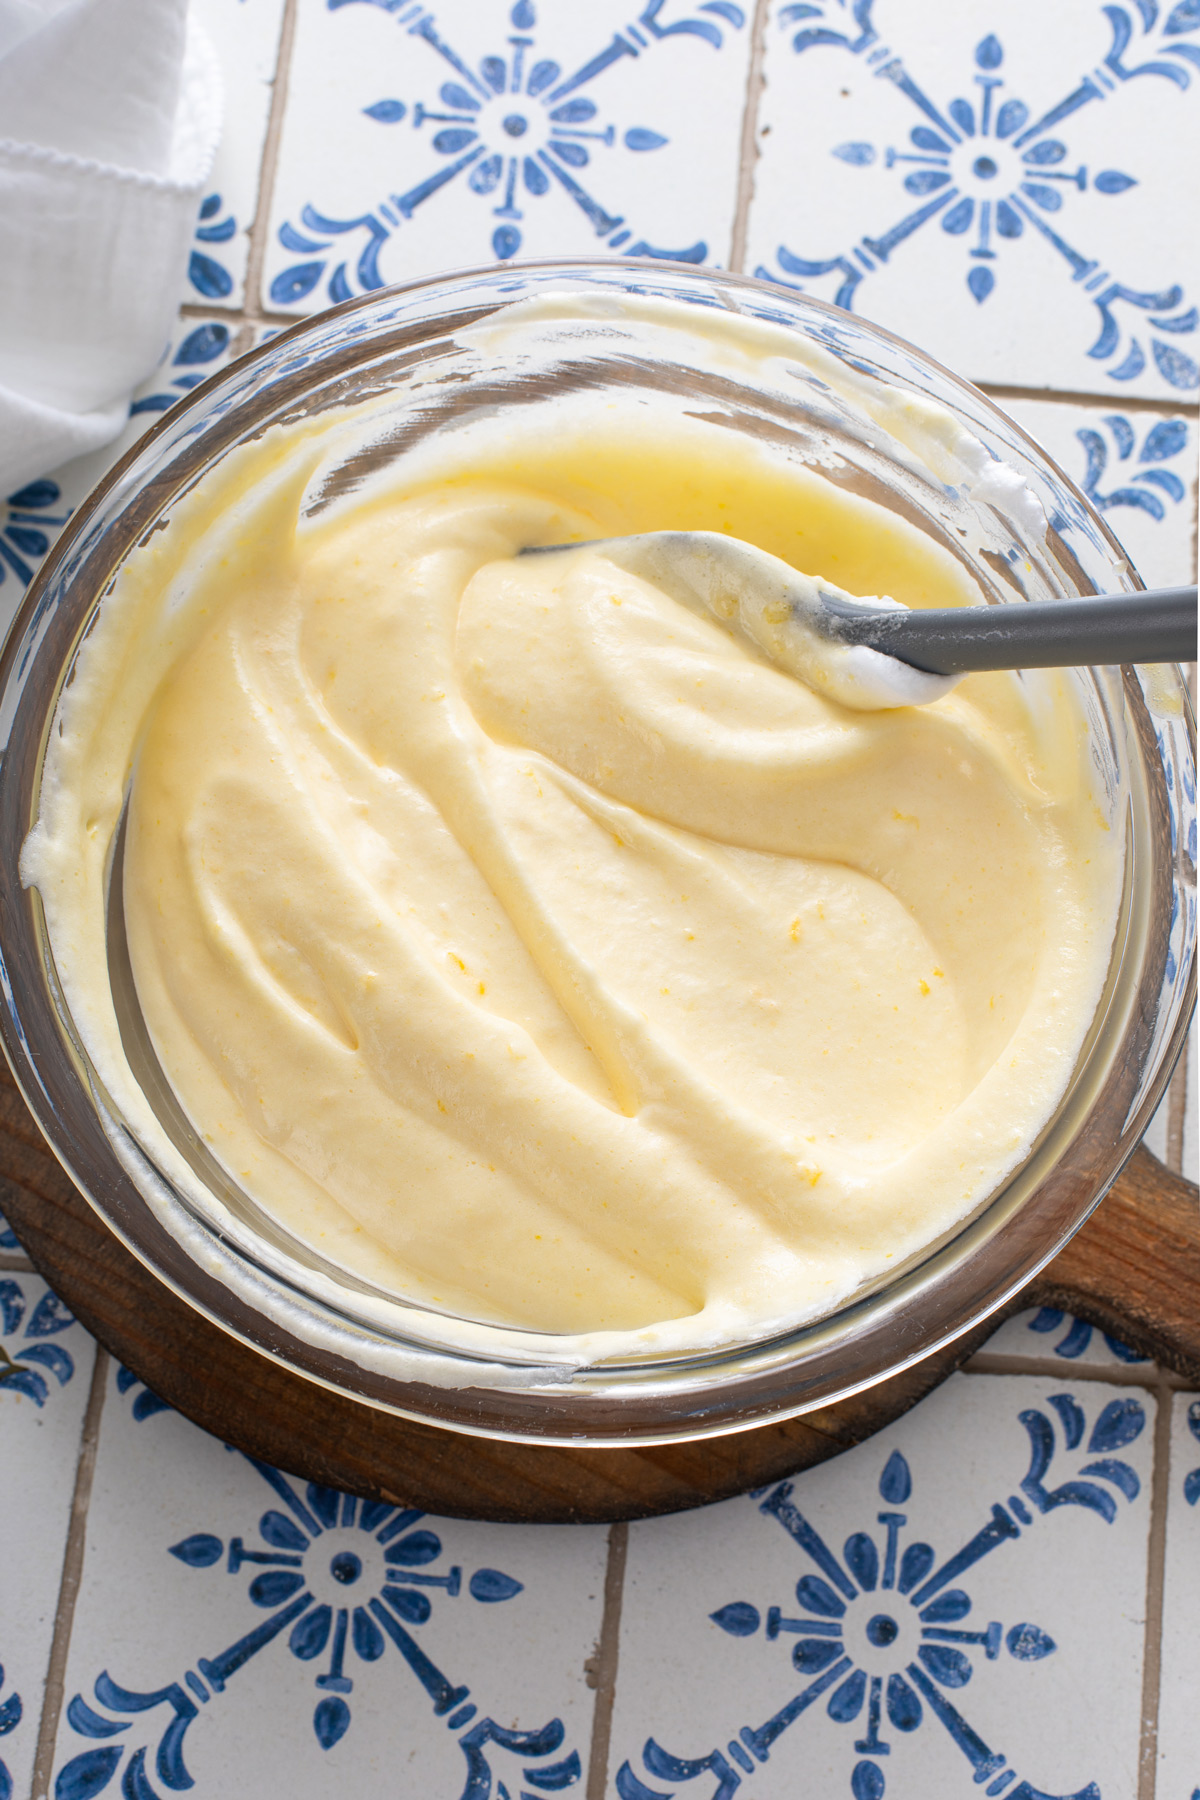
(963, 1279)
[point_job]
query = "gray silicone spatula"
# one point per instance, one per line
(732, 579)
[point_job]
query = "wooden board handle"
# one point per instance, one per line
(1134, 1268)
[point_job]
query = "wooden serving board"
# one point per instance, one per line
(1133, 1270)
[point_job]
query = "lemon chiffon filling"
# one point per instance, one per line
(533, 946)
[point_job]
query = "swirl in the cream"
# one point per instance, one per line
(541, 950)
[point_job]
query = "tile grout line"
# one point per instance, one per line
(269, 162)
(237, 316)
(1156, 1551)
(1177, 1112)
(602, 1666)
(13, 1263)
(72, 1574)
(1081, 397)
(998, 1363)
(748, 147)
(243, 339)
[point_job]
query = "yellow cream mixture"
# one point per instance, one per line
(532, 945)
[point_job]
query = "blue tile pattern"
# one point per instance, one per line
(953, 1608)
(478, 133)
(201, 348)
(335, 1602)
(1138, 467)
(45, 1363)
(885, 1588)
(1077, 1336)
(11, 1713)
(1000, 174)
(1178, 1759)
(1158, 467)
(31, 520)
(207, 274)
(34, 1367)
(311, 1543)
(983, 135)
(985, 173)
(29, 1363)
(1191, 1481)
(500, 110)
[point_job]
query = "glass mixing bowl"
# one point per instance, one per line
(427, 358)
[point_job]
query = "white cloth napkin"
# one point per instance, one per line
(110, 111)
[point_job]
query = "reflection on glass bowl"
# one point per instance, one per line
(410, 353)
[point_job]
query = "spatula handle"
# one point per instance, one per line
(1159, 626)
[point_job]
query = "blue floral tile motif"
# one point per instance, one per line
(46, 1360)
(26, 1366)
(146, 1403)
(880, 1633)
(204, 345)
(1138, 469)
(988, 169)
(8, 1237)
(1178, 1760)
(30, 520)
(1078, 1335)
(339, 1580)
(1183, 905)
(11, 1711)
(206, 273)
(1146, 482)
(1191, 1481)
(517, 126)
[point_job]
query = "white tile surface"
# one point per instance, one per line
(873, 164)
(1059, 1718)
(151, 1618)
(516, 1636)
(1178, 1715)
(1138, 467)
(1057, 1337)
(398, 152)
(245, 34)
(45, 1375)
(1156, 1137)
